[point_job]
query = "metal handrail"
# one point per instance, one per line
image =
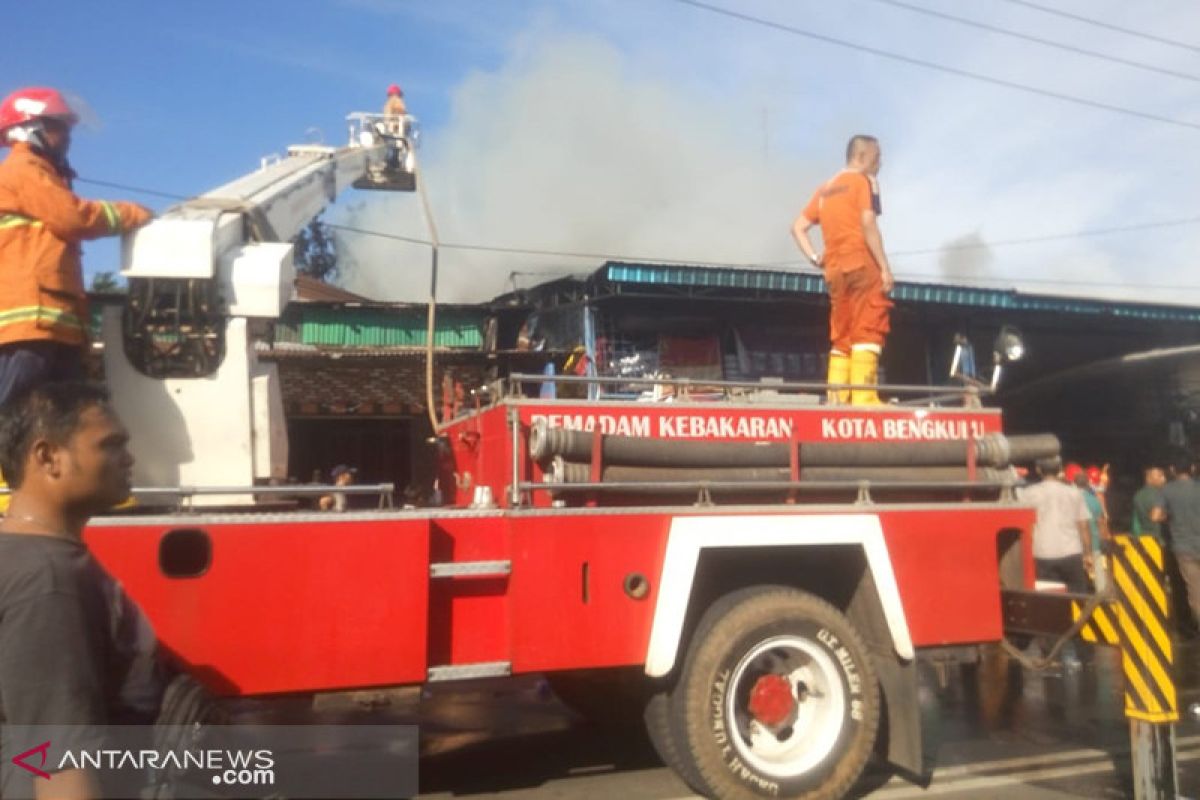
(386, 491)
(804, 386)
(760, 486)
(297, 490)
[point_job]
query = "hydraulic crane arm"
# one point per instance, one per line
(180, 358)
(228, 252)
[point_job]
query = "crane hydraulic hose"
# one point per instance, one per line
(431, 312)
(991, 450)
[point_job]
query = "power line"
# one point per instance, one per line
(136, 189)
(1038, 40)
(752, 264)
(962, 73)
(625, 257)
(984, 245)
(1053, 237)
(526, 251)
(382, 235)
(1107, 26)
(426, 242)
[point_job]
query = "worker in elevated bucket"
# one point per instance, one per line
(395, 120)
(395, 110)
(856, 269)
(43, 305)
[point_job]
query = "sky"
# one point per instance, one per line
(657, 130)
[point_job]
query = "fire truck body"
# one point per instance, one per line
(757, 580)
(268, 603)
(306, 602)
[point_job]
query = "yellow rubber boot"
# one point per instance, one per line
(864, 369)
(839, 372)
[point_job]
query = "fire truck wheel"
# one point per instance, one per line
(777, 697)
(662, 735)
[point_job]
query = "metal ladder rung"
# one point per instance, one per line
(463, 672)
(470, 569)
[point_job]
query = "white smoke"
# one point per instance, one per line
(568, 147)
(966, 258)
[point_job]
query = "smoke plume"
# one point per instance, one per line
(567, 147)
(966, 258)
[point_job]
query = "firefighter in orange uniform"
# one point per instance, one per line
(43, 304)
(395, 109)
(856, 269)
(395, 118)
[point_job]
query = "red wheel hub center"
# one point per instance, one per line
(771, 700)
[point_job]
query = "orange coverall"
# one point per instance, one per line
(42, 223)
(859, 308)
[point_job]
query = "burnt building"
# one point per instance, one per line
(1079, 377)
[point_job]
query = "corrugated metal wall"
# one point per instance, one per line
(379, 327)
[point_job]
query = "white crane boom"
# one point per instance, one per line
(179, 357)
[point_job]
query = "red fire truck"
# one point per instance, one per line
(753, 570)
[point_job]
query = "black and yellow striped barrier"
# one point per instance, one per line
(1136, 621)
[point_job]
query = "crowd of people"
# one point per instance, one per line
(1074, 525)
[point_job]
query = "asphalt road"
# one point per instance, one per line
(998, 731)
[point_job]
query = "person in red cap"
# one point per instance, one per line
(395, 120)
(395, 110)
(1097, 524)
(1098, 480)
(43, 304)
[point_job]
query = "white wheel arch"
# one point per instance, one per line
(689, 535)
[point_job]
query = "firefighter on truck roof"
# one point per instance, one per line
(856, 268)
(43, 304)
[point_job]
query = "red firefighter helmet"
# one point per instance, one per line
(1071, 471)
(33, 103)
(1094, 474)
(394, 89)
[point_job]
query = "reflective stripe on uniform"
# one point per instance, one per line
(16, 220)
(53, 316)
(112, 215)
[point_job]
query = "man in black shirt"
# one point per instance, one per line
(74, 649)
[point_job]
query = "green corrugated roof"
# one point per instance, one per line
(379, 327)
(807, 283)
(342, 326)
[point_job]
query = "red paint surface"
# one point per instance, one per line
(481, 444)
(947, 569)
(771, 701)
(326, 604)
(554, 626)
(286, 607)
(469, 616)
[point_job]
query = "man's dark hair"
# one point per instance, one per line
(1049, 467)
(856, 141)
(48, 412)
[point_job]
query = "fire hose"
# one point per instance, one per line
(991, 450)
(565, 472)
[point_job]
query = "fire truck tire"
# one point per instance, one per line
(777, 697)
(662, 735)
